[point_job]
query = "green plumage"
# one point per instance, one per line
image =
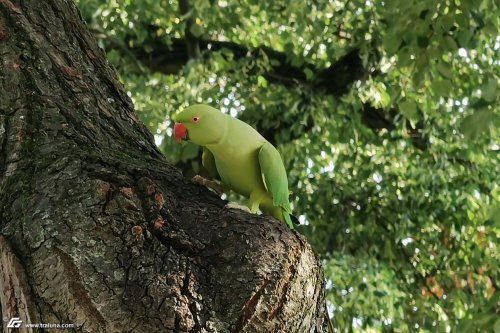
(241, 158)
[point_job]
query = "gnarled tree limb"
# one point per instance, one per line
(107, 234)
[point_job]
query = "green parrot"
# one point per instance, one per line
(239, 156)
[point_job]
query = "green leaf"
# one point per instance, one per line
(450, 43)
(391, 43)
(261, 81)
(441, 87)
(445, 70)
(197, 30)
(495, 215)
(404, 57)
(463, 37)
(385, 98)
(446, 22)
(490, 29)
(274, 62)
(309, 74)
(114, 57)
(496, 327)
(408, 109)
(422, 42)
(489, 90)
(476, 123)
(389, 250)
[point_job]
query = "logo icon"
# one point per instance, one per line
(14, 323)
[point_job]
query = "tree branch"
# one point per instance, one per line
(192, 45)
(334, 80)
(169, 59)
(98, 230)
(377, 119)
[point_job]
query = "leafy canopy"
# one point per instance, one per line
(386, 115)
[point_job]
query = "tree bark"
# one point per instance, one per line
(98, 230)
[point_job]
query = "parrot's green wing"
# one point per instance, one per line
(208, 161)
(274, 175)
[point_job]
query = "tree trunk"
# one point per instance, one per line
(98, 230)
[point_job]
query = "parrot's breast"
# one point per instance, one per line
(241, 172)
(237, 158)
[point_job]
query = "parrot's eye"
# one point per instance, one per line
(195, 120)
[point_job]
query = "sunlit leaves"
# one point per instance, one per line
(363, 296)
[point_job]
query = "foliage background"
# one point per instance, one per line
(386, 115)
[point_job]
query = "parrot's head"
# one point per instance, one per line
(201, 124)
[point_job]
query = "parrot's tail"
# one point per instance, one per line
(288, 219)
(281, 214)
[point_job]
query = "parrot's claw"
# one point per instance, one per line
(234, 205)
(219, 189)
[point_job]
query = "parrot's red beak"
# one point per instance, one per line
(180, 132)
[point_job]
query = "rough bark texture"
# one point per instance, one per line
(98, 230)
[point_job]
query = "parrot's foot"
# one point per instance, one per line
(219, 189)
(234, 205)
